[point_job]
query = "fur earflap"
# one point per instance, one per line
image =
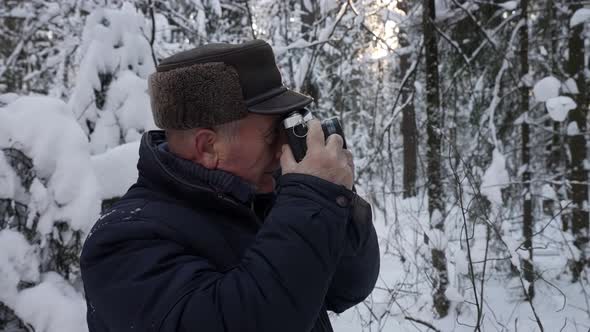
(200, 95)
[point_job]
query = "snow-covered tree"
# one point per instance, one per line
(49, 199)
(110, 98)
(74, 103)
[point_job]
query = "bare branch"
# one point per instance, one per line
(419, 321)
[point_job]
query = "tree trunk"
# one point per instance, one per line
(435, 190)
(555, 148)
(527, 222)
(577, 174)
(408, 125)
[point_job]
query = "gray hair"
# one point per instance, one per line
(227, 131)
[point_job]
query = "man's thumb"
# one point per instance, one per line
(287, 160)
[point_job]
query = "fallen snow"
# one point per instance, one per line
(7, 98)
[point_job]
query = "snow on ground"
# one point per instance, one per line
(560, 304)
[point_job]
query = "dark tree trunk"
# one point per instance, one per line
(408, 125)
(578, 176)
(436, 207)
(435, 193)
(527, 222)
(555, 146)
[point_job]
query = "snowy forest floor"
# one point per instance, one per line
(402, 299)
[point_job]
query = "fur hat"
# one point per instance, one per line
(200, 95)
(219, 83)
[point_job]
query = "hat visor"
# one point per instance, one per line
(283, 103)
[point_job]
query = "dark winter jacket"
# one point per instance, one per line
(192, 249)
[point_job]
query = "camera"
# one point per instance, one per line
(295, 125)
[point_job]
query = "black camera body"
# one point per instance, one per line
(295, 125)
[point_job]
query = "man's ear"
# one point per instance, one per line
(204, 144)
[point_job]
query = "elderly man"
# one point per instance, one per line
(206, 240)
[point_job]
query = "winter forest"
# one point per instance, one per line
(467, 120)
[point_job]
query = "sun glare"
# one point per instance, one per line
(388, 35)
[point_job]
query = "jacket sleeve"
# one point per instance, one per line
(280, 283)
(358, 268)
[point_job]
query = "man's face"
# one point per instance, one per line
(253, 153)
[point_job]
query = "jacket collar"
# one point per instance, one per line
(168, 172)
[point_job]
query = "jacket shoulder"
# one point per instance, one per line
(133, 222)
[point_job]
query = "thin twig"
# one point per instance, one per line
(250, 19)
(530, 301)
(470, 259)
(153, 37)
(419, 321)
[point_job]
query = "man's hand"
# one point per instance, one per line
(324, 159)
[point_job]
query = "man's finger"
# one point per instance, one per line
(335, 142)
(349, 161)
(349, 158)
(315, 135)
(287, 160)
